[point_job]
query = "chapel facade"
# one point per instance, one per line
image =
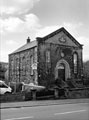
(42, 61)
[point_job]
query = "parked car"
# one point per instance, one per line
(4, 88)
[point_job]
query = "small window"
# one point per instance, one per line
(47, 56)
(75, 62)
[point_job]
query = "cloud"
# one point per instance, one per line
(46, 30)
(72, 27)
(10, 25)
(83, 40)
(10, 7)
(3, 56)
(17, 25)
(11, 42)
(32, 22)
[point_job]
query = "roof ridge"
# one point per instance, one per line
(26, 46)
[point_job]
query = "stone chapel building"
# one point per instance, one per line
(42, 61)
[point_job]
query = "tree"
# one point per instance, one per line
(86, 73)
(3, 69)
(86, 69)
(6, 76)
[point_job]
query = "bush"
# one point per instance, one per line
(28, 95)
(45, 93)
(12, 97)
(86, 82)
(16, 87)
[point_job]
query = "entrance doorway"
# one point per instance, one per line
(61, 72)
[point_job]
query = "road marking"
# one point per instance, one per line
(70, 112)
(20, 118)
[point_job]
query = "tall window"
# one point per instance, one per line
(31, 62)
(23, 66)
(35, 55)
(12, 67)
(48, 56)
(75, 62)
(17, 64)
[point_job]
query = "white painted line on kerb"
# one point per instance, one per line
(20, 118)
(70, 112)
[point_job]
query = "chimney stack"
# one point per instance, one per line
(28, 40)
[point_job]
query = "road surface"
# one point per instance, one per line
(78, 111)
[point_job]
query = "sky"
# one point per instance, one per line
(37, 18)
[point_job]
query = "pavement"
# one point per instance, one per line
(41, 103)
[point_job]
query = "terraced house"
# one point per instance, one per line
(42, 61)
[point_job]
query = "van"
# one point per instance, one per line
(4, 88)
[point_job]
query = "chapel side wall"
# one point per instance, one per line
(20, 66)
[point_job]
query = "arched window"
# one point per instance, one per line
(75, 62)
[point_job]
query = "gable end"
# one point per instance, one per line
(58, 31)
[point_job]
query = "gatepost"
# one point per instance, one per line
(56, 92)
(33, 94)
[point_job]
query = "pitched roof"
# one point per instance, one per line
(34, 43)
(26, 46)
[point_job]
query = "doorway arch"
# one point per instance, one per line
(62, 69)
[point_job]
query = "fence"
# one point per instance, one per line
(70, 94)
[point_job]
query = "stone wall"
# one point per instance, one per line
(20, 66)
(79, 93)
(12, 97)
(57, 52)
(46, 71)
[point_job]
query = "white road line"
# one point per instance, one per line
(20, 118)
(69, 112)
